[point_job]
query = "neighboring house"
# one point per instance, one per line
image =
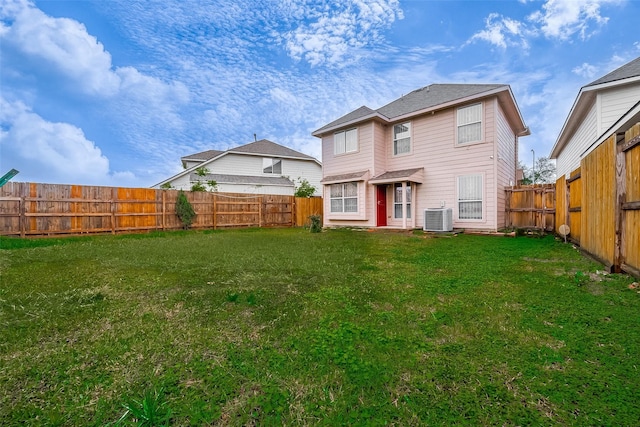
(260, 167)
(608, 105)
(443, 146)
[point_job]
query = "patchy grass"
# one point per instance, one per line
(273, 327)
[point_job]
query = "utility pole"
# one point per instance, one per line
(533, 168)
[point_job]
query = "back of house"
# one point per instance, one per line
(437, 158)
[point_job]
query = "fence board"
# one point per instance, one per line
(305, 207)
(531, 207)
(49, 209)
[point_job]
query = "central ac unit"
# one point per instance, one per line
(438, 219)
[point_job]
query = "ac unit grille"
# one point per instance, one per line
(438, 219)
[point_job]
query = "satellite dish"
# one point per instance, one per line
(564, 231)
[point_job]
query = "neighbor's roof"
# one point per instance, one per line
(244, 179)
(631, 69)
(628, 73)
(262, 147)
(269, 148)
(428, 98)
(203, 156)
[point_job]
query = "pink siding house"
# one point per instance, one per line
(439, 151)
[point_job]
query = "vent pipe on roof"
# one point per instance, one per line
(255, 138)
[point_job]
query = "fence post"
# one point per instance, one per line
(620, 199)
(164, 210)
(215, 210)
(22, 207)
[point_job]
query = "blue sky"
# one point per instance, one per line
(115, 92)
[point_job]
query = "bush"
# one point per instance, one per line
(316, 223)
(184, 210)
(304, 189)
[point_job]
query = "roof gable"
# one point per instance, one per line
(627, 74)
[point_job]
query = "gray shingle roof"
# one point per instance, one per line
(419, 99)
(203, 156)
(406, 173)
(262, 147)
(630, 69)
(243, 179)
(269, 148)
(354, 115)
(432, 95)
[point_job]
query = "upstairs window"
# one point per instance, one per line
(401, 138)
(470, 124)
(345, 141)
(344, 197)
(273, 166)
(470, 197)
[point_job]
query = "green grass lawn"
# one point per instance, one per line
(286, 327)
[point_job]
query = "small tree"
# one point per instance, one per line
(184, 210)
(304, 188)
(544, 172)
(198, 186)
(166, 186)
(202, 171)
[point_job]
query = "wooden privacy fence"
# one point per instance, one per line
(51, 209)
(600, 202)
(531, 207)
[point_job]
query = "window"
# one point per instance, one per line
(401, 138)
(270, 165)
(470, 197)
(345, 141)
(470, 124)
(397, 201)
(344, 197)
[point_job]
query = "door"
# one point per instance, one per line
(381, 208)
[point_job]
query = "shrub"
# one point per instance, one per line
(184, 210)
(304, 189)
(198, 186)
(316, 223)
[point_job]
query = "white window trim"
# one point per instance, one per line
(393, 139)
(273, 160)
(337, 152)
(483, 200)
(481, 140)
(344, 198)
(408, 209)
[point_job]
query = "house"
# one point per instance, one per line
(610, 104)
(260, 167)
(450, 147)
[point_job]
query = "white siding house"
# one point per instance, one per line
(441, 146)
(260, 167)
(601, 108)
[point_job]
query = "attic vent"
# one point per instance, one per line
(438, 219)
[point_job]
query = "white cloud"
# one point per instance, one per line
(561, 19)
(334, 36)
(502, 32)
(557, 19)
(65, 44)
(585, 70)
(31, 144)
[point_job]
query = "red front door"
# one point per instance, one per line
(381, 208)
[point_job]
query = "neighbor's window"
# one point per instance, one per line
(344, 197)
(270, 165)
(397, 201)
(345, 141)
(470, 197)
(470, 124)
(401, 138)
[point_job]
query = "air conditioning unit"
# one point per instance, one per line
(438, 219)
